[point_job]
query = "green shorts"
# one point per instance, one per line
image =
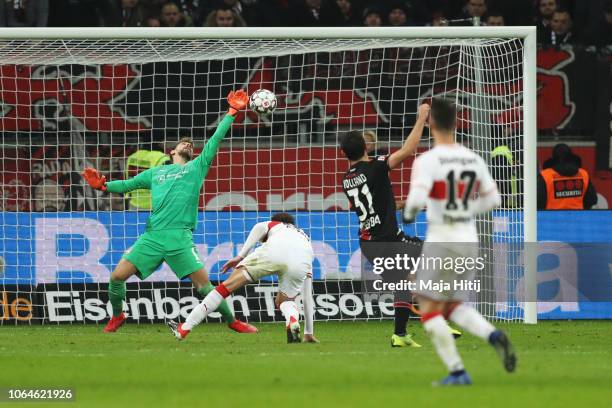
(175, 247)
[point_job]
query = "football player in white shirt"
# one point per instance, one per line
(455, 185)
(286, 252)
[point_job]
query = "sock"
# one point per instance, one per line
(471, 320)
(116, 295)
(210, 303)
(443, 341)
(402, 314)
(289, 309)
(223, 308)
(308, 303)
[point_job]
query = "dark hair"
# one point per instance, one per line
(561, 10)
(444, 113)
(496, 13)
(284, 217)
(372, 10)
(353, 145)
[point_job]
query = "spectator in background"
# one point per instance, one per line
(545, 11)
(438, 19)
(24, 13)
(84, 13)
(398, 16)
(600, 33)
(559, 31)
(563, 184)
(372, 17)
(273, 13)
(249, 10)
(350, 16)
(224, 17)
(171, 16)
(192, 10)
(132, 14)
(496, 19)
(475, 9)
(152, 22)
(317, 13)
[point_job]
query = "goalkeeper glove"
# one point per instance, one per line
(237, 101)
(94, 179)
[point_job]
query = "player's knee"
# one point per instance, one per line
(117, 275)
(123, 271)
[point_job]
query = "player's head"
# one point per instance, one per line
(443, 117)
(353, 145)
(183, 150)
(284, 217)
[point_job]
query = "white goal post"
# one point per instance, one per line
(77, 97)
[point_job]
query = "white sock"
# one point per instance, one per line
(289, 309)
(443, 341)
(471, 320)
(308, 303)
(210, 303)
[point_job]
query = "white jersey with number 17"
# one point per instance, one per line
(455, 185)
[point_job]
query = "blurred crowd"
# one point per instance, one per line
(559, 22)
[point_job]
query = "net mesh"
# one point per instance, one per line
(70, 104)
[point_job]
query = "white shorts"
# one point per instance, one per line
(446, 280)
(289, 265)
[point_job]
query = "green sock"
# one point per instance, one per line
(223, 308)
(116, 294)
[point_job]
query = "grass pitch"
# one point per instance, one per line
(560, 364)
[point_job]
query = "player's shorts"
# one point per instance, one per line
(289, 265)
(389, 248)
(175, 247)
(444, 276)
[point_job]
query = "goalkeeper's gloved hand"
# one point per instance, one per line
(94, 179)
(237, 101)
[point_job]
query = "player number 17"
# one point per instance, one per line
(355, 193)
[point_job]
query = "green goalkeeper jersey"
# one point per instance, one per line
(175, 188)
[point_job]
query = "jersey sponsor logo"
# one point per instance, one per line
(370, 222)
(43, 97)
(568, 188)
(172, 176)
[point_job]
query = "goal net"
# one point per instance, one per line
(118, 105)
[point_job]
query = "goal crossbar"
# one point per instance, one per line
(62, 33)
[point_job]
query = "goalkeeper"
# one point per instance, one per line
(175, 191)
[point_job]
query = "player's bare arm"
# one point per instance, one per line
(412, 142)
(257, 234)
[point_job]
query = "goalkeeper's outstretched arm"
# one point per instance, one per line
(98, 182)
(237, 101)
